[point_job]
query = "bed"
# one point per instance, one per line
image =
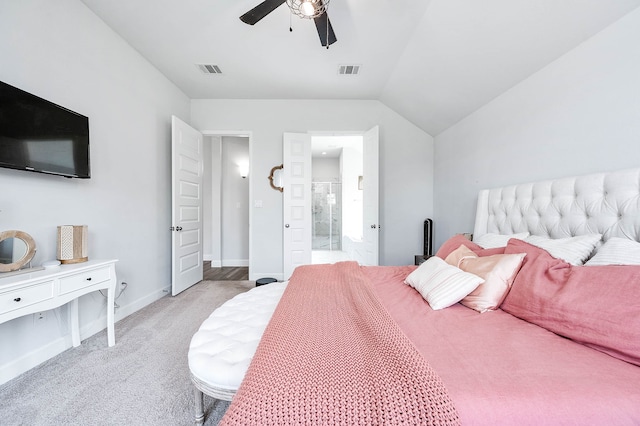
(535, 321)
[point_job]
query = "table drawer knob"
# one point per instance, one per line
(17, 299)
(89, 279)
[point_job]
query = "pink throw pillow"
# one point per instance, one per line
(598, 306)
(454, 242)
(498, 271)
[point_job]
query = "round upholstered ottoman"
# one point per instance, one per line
(223, 346)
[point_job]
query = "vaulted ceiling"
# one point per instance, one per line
(432, 61)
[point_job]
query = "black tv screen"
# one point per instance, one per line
(40, 136)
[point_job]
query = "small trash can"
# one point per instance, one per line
(263, 281)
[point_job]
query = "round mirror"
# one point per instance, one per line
(17, 248)
(275, 178)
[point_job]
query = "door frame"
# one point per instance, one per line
(249, 135)
(362, 133)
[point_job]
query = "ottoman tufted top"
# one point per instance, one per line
(221, 350)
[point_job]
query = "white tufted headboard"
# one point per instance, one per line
(602, 203)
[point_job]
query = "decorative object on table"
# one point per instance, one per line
(50, 264)
(72, 243)
(17, 248)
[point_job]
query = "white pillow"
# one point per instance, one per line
(617, 251)
(441, 284)
(574, 250)
(497, 240)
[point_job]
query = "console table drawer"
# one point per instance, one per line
(26, 296)
(42, 289)
(85, 279)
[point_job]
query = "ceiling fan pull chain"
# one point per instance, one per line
(290, 26)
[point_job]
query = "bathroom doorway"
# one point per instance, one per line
(336, 199)
(357, 173)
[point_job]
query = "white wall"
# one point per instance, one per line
(325, 169)
(578, 115)
(62, 52)
(406, 161)
(235, 202)
(212, 201)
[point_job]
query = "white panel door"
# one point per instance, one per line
(186, 213)
(296, 175)
(370, 197)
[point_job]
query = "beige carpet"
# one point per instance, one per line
(142, 380)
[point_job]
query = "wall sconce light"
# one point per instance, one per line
(243, 168)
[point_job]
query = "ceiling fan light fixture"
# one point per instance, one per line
(308, 9)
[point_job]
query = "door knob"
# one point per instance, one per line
(178, 228)
(286, 226)
(373, 226)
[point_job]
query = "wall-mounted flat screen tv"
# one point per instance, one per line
(40, 136)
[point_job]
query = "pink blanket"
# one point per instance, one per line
(333, 355)
(501, 370)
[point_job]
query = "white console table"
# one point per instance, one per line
(46, 289)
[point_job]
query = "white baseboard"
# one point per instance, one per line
(29, 360)
(136, 305)
(32, 359)
(235, 262)
(215, 263)
(39, 355)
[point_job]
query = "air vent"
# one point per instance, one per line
(348, 69)
(209, 69)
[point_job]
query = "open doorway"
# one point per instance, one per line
(362, 246)
(337, 198)
(226, 207)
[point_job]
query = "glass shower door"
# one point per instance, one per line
(327, 216)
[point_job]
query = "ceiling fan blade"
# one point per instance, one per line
(260, 11)
(323, 24)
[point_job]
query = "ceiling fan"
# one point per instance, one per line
(309, 9)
